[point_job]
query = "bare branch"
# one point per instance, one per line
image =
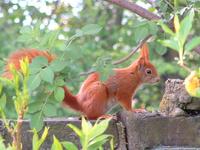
(135, 8)
(123, 59)
(132, 52)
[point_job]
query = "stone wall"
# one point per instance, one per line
(131, 131)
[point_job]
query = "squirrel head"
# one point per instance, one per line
(146, 69)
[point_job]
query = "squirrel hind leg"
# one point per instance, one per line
(94, 100)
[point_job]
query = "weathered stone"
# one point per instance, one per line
(63, 133)
(175, 98)
(146, 131)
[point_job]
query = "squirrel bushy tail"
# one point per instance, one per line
(70, 100)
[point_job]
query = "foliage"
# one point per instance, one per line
(36, 142)
(178, 43)
(178, 39)
(91, 137)
(21, 100)
(61, 30)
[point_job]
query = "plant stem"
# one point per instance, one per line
(18, 130)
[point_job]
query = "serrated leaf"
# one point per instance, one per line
(34, 81)
(50, 110)
(58, 65)
(35, 106)
(56, 144)
(69, 145)
(36, 121)
(91, 29)
(59, 94)
(47, 74)
(192, 44)
(39, 62)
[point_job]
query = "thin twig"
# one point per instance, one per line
(132, 52)
(136, 9)
(123, 59)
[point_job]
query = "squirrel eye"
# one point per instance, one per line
(148, 71)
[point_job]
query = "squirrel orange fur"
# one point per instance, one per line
(94, 95)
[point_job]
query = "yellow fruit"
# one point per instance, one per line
(192, 84)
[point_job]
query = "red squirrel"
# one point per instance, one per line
(94, 95)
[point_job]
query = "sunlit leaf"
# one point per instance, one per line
(69, 146)
(166, 28)
(170, 43)
(186, 26)
(56, 144)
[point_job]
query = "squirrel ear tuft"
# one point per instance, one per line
(145, 51)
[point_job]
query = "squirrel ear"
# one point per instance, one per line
(141, 63)
(145, 51)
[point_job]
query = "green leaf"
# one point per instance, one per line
(76, 130)
(36, 121)
(59, 82)
(34, 81)
(59, 94)
(50, 110)
(99, 128)
(111, 144)
(79, 33)
(140, 33)
(176, 24)
(160, 49)
(186, 26)
(170, 43)
(3, 101)
(198, 92)
(56, 144)
(47, 75)
(166, 28)
(69, 145)
(35, 106)
(58, 65)
(192, 44)
(39, 62)
(91, 29)
(36, 142)
(85, 125)
(98, 142)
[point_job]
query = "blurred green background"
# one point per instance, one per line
(50, 24)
